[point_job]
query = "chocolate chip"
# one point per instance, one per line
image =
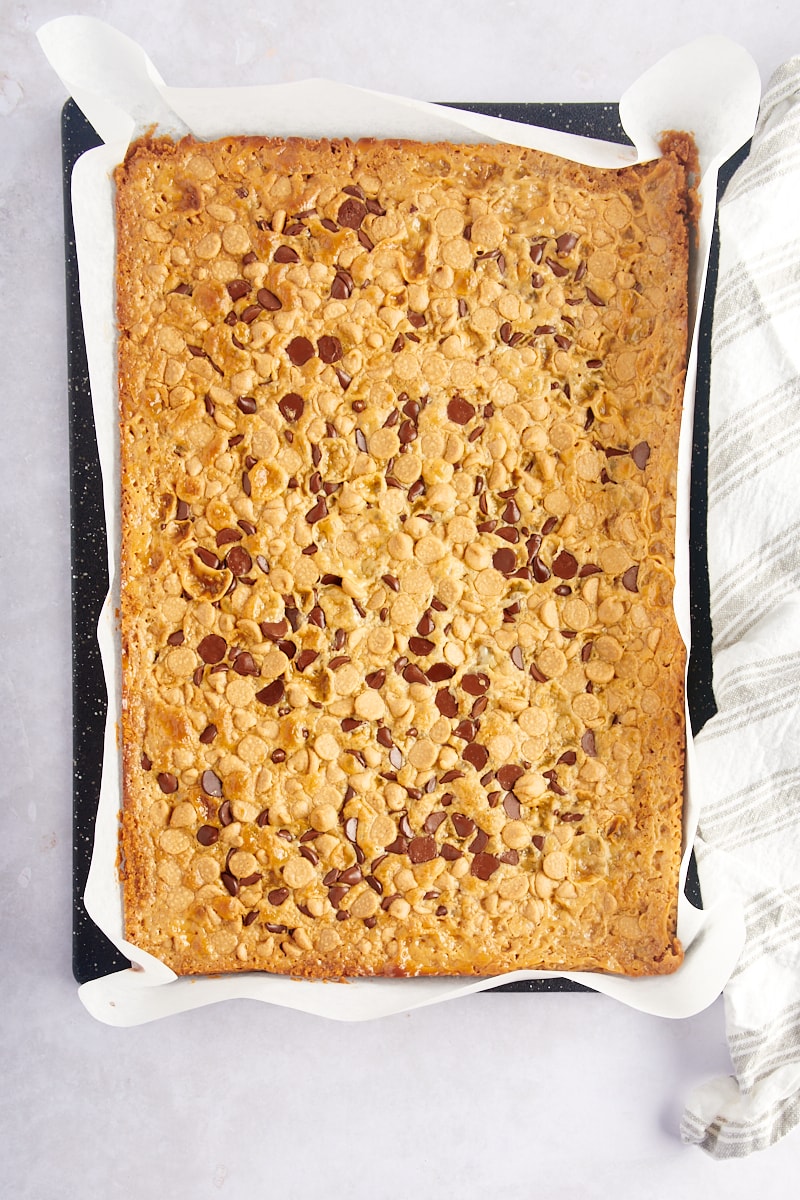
(300, 350)
(541, 573)
(433, 821)
(351, 828)
(225, 536)
(416, 490)
(329, 348)
(450, 853)
(285, 254)
(238, 561)
(208, 735)
(212, 648)
(566, 242)
(337, 662)
(511, 857)
(565, 566)
(392, 582)
(316, 617)
(237, 288)
(588, 569)
(305, 658)
(207, 835)
(446, 703)
(640, 454)
(407, 433)
(630, 579)
(594, 298)
(291, 406)
(268, 300)
(568, 758)
(508, 775)
(272, 694)
(479, 843)
(588, 744)
(422, 849)
(398, 846)
(168, 783)
(230, 882)
(273, 630)
(319, 510)
(421, 646)
(468, 730)
(464, 826)
(249, 881)
(483, 866)
(556, 268)
(176, 639)
(244, 664)
(211, 784)
(533, 545)
(476, 754)
(474, 684)
(517, 659)
(460, 411)
(342, 285)
(207, 558)
(512, 806)
(351, 213)
(504, 560)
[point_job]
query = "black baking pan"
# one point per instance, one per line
(92, 954)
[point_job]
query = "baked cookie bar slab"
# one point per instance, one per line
(403, 689)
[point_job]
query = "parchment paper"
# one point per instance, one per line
(710, 88)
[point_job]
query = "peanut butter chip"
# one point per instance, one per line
(209, 246)
(365, 904)
(487, 232)
(554, 865)
(515, 834)
(370, 706)
(298, 873)
(327, 747)
(423, 754)
(174, 841)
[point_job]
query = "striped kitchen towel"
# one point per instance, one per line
(749, 753)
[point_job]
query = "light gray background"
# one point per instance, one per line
(498, 1096)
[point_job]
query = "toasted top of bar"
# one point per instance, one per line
(402, 681)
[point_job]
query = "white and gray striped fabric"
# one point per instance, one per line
(749, 753)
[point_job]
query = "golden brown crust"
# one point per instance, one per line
(403, 689)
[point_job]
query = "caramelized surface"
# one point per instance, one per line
(402, 682)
